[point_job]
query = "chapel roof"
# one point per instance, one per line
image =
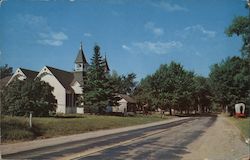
(30, 74)
(64, 77)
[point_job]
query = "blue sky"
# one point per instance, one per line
(136, 35)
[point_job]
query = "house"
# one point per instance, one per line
(22, 74)
(67, 85)
(126, 104)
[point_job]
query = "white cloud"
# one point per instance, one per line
(199, 29)
(39, 26)
(168, 6)
(151, 26)
(157, 47)
(53, 39)
(87, 34)
(33, 21)
(72, 0)
(126, 47)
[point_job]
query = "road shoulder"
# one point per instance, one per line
(220, 141)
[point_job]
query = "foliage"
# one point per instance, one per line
(230, 81)
(5, 71)
(123, 84)
(202, 95)
(96, 89)
(241, 27)
(171, 87)
(21, 97)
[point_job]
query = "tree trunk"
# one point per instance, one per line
(170, 111)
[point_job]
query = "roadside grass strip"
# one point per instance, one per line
(244, 125)
(16, 129)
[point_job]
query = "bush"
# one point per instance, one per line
(21, 97)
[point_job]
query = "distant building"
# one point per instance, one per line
(67, 85)
(125, 105)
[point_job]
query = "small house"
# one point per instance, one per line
(125, 104)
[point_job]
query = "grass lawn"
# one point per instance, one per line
(17, 128)
(243, 124)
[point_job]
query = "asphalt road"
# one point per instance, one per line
(167, 141)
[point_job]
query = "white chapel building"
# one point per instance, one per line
(67, 85)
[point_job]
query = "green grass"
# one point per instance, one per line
(17, 128)
(243, 124)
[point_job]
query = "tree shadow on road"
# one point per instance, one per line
(152, 148)
(148, 148)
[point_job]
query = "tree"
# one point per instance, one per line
(5, 71)
(124, 84)
(21, 97)
(202, 94)
(241, 27)
(230, 81)
(97, 93)
(170, 87)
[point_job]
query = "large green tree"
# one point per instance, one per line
(170, 87)
(97, 92)
(230, 81)
(21, 97)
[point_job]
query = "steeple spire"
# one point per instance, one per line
(106, 66)
(80, 62)
(81, 45)
(80, 57)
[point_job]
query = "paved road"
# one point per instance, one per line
(167, 141)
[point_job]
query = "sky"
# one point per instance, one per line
(136, 35)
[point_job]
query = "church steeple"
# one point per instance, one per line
(106, 66)
(80, 61)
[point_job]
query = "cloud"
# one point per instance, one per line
(38, 26)
(87, 34)
(52, 39)
(168, 6)
(200, 30)
(126, 47)
(157, 47)
(156, 31)
(33, 21)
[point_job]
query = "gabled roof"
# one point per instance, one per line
(127, 98)
(64, 77)
(29, 73)
(80, 56)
